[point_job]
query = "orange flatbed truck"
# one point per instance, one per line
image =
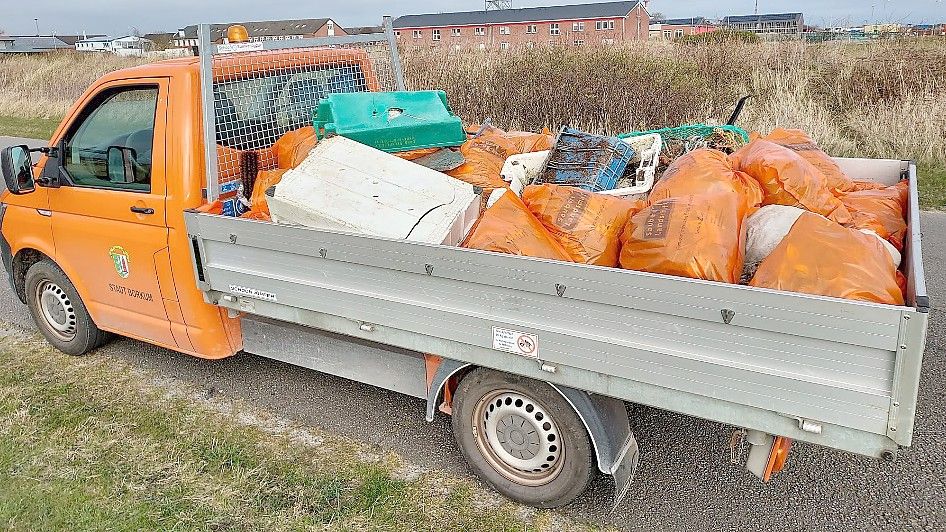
(128, 224)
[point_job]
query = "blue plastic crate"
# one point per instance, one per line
(589, 162)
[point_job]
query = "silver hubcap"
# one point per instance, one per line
(518, 437)
(57, 310)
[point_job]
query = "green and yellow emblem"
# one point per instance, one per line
(120, 260)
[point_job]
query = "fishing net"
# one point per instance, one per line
(684, 139)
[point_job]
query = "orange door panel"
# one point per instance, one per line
(111, 230)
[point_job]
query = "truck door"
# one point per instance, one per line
(108, 215)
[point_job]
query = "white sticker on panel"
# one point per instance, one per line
(252, 292)
(515, 342)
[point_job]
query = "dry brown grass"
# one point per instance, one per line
(45, 86)
(877, 99)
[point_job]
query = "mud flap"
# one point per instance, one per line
(609, 428)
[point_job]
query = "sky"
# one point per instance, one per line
(123, 17)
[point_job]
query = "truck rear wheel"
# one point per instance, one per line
(58, 311)
(522, 438)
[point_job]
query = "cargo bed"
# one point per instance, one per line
(835, 372)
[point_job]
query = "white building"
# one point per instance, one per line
(130, 45)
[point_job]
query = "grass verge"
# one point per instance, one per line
(932, 184)
(91, 443)
(32, 128)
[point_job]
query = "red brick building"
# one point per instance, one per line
(573, 25)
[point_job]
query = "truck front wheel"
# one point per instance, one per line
(522, 438)
(58, 311)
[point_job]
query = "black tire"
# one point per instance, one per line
(66, 324)
(567, 477)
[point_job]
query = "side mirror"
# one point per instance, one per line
(121, 164)
(17, 167)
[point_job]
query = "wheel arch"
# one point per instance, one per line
(21, 263)
(604, 418)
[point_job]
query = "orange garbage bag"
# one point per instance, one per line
(486, 154)
(799, 142)
(293, 147)
(788, 179)
(867, 185)
(701, 236)
(883, 211)
(509, 227)
(264, 180)
(821, 257)
(586, 224)
(705, 171)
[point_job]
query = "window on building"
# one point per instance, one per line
(504, 30)
(579, 42)
(504, 46)
(607, 42)
(397, 34)
(482, 46)
(554, 29)
(436, 35)
(531, 28)
(331, 28)
(456, 32)
(604, 25)
(678, 33)
(578, 26)
(418, 34)
(480, 31)
(530, 45)
(667, 34)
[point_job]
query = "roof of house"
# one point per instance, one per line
(527, 14)
(160, 37)
(692, 21)
(97, 38)
(32, 44)
(261, 29)
(768, 17)
(71, 40)
(363, 30)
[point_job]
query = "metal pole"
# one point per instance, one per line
(395, 54)
(206, 49)
(36, 20)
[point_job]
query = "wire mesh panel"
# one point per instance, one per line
(260, 91)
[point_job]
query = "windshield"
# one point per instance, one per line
(253, 113)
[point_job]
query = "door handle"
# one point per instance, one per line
(142, 210)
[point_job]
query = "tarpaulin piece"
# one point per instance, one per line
(699, 236)
(293, 147)
(509, 227)
(705, 171)
(788, 179)
(486, 154)
(799, 142)
(587, 225)
(882, 211)
(264, 180)
(821, 257)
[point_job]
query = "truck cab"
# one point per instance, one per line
(103, 206)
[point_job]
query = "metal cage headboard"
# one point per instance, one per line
(254, 92)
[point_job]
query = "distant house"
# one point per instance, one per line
(928, 30)
(71, 40)
(127, 46)
(364, 30)
(15, 44)
(162, 40)
(884, 29)
(570, 25)
(676, 28)
(275, 30)
(767, 24)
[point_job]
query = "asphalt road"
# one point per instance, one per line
(685, 480)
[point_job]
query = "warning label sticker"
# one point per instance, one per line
(517, 343)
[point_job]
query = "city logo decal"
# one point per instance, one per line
(120, 261)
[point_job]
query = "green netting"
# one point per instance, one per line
(691, 130)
